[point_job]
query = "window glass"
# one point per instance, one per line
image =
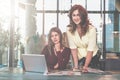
(39, 23)
(112, 33)
(5, 15)
(50, 5)
(110, 5)
(50, 21)
(39, 4)
(47, 4)
(63, 21)
(109, 33)
(81, 2)
(64, 4)
(93, 5)
(96, 20)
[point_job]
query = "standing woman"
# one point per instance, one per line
(57, 55)
(81, 37)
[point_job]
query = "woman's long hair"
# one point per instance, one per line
(55, 29)
(84, 18)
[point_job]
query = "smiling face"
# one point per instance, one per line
(55, 37)
(76, 17)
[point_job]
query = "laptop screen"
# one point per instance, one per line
(34, 63)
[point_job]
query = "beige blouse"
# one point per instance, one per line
(85, 43)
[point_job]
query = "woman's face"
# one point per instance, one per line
(75, 17)
(55, 37)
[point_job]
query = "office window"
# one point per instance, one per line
(39, 4)
(63, 21)
(50, 5)
(94, 5)
(50, 21)
(64, 4)
(109, 5)
(96, 21)
(109, 33)
(81, 2)
(39, 23)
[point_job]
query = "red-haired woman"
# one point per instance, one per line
(81, 37)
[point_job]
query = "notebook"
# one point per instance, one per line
(34, 63)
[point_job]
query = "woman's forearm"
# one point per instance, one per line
(88, 58)
(75, 57)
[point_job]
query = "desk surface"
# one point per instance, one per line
(15, 74)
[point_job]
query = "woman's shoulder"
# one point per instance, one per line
(71, 34)
(91, 27)
(46, 47)
(44, 50)
(47, 50)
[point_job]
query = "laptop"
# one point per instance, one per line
(34, 63)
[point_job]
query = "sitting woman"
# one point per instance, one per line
(56, 54)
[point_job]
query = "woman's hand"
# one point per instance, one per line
(85, 69)
(87, 61)
(56, 66)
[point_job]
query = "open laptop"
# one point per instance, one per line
(34, 63)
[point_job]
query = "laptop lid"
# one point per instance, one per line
(34, 63)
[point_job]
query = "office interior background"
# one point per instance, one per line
(24, 26)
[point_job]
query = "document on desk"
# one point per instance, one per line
(64, 73)
(96, 71)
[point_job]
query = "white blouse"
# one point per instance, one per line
(85, 43)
